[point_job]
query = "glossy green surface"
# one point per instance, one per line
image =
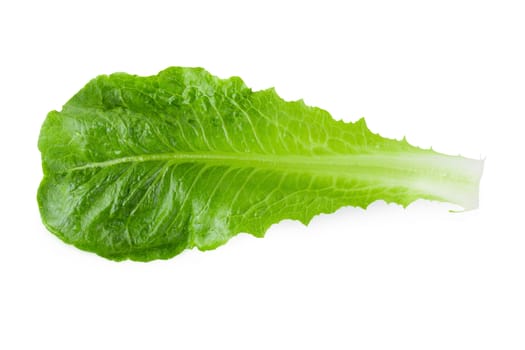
(142, 168)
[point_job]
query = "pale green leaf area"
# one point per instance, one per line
(143, 168)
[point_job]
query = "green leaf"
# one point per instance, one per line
(142, 168)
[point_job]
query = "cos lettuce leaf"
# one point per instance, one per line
(142, 168)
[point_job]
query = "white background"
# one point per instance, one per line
(447, 74)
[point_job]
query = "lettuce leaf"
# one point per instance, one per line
(142, 168)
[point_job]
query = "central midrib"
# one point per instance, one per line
(404, 163)
(443, 177)
(245, 159)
